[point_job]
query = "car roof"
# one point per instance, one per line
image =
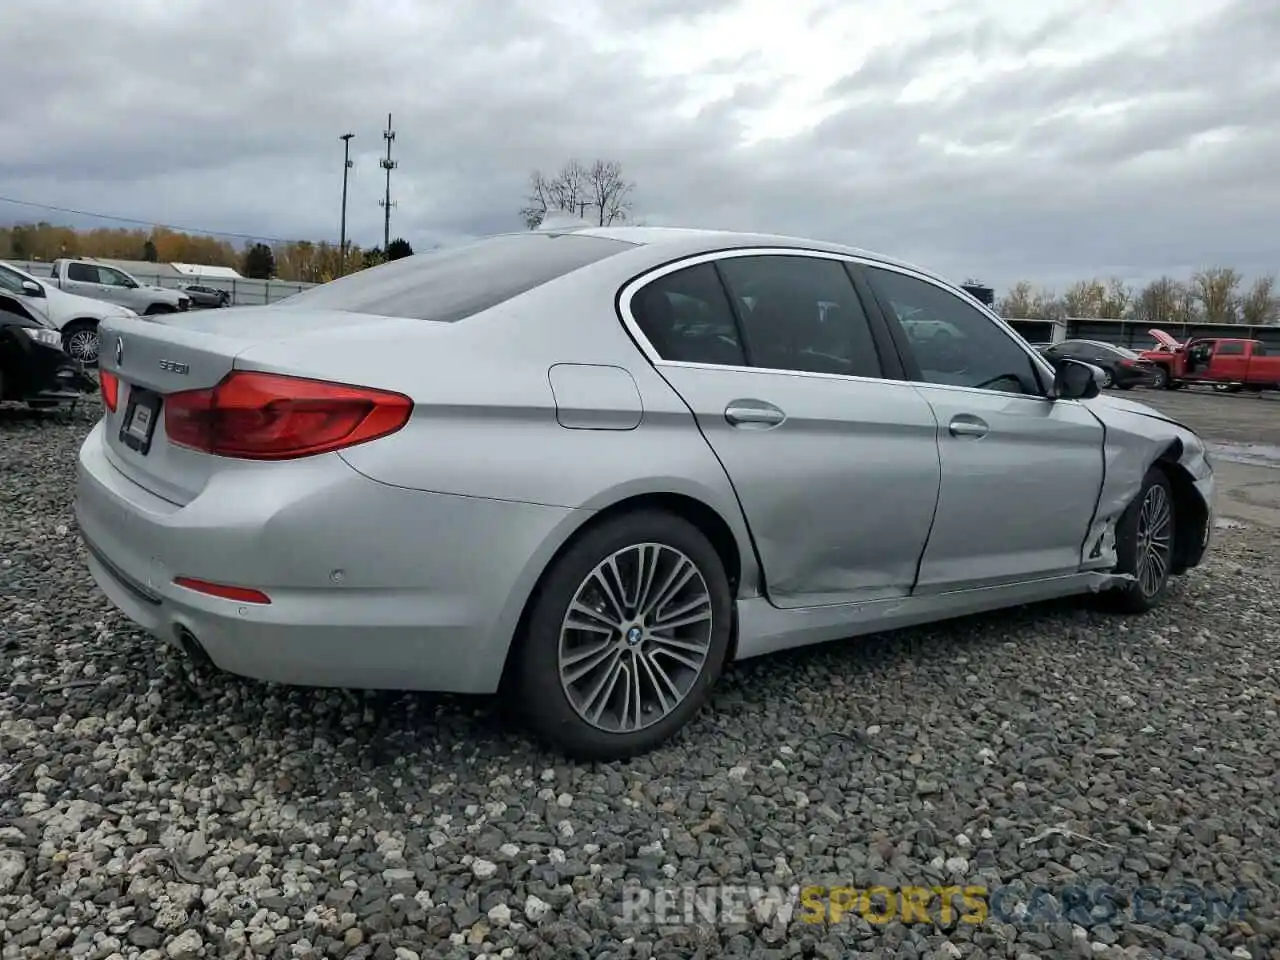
(673, 242)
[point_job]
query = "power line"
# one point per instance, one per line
(144, 223)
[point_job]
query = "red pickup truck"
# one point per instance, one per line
(1229, 365)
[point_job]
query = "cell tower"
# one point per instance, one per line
(388, 165)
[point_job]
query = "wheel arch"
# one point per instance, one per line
(696, 511)
(1191, 513)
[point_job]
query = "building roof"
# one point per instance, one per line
(203, 270)
(141, 268)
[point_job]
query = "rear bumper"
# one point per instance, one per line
(371, 586)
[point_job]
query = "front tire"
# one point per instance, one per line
(80, 341)
(1160, 379)
(1144, 546)
(626, 636)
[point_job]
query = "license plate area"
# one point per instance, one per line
(138, 426)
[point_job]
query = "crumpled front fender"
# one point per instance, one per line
(1136, 439)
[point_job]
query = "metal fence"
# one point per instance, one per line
(1133, 334)
(244, 292)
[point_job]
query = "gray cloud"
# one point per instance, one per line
(226, 115)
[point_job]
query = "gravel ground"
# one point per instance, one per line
(149, 812)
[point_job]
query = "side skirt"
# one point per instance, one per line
(763, 628)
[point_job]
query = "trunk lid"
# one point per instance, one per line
(155, 358)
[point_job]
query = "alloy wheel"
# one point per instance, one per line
(83, 346)
(636, 638)
(1155, 520)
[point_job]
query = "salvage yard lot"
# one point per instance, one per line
(146, 812)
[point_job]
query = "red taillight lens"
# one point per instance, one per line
(266, 416)
(225, 591)
(1126, 363)
(109, 383)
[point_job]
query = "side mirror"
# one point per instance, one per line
(32, 289)
(1075, 380)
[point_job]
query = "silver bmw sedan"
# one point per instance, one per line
(589, 467)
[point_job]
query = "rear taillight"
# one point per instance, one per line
(109, 383)
(1126, 363)
(265, 416)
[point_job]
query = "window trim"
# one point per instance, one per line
(892, 366)
(1038, 362)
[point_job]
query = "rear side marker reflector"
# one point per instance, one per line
(267, 416)
(110, 386)
(226, 592)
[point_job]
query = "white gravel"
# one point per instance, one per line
(146, 812)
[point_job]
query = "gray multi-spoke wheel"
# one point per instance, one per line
(80, 341)
(625, 636)
(1155, 540)
(635, 638)
(1146, 536)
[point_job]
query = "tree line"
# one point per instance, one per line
(301, 260)
(1211, 295)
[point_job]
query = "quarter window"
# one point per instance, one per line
(953, 342)
(685, 315)
(801, 313)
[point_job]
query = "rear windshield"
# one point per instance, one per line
(457, 282)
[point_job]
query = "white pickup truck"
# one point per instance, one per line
(75, 318)
(89, 278)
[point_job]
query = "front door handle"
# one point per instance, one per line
(753, 413)
(967, 426)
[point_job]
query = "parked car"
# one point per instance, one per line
(1121, 367)
(202, 296)
(33, 366)
(76, 318)
(1228, 364)
(574, 466)
(89, 278)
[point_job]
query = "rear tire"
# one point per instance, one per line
(625, 638)
(80, 341)
(1145, 536)
(158, 308)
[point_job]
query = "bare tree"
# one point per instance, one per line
(1084, 299)
(611, 194)
(1016, 304)
(1260, 305)
(1186, 304)
(575, 189)
(1217, 290)
(1158, 302)
(1117, 299)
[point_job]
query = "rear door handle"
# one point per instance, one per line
(968, 426)
(753, 413)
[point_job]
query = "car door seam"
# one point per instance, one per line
(937, 497)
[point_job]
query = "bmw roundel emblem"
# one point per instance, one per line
(119, 351)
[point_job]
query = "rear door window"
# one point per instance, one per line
(458, 282)
(801, 313)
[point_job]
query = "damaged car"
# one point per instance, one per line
(588, 467)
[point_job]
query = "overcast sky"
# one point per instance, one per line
(999, 138)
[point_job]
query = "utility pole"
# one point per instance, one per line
(388, 165)
(342, 236)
